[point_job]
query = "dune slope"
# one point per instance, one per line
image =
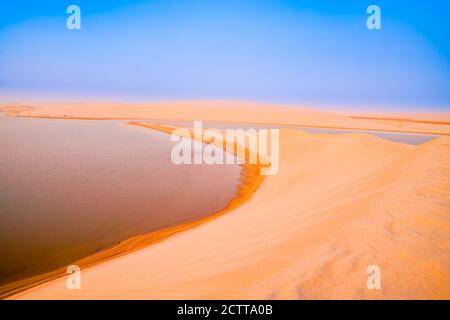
(339, 204)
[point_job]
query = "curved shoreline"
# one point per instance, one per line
(250, 181)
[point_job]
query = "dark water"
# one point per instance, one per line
(69, 188)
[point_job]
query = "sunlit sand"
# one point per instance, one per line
(340, 203)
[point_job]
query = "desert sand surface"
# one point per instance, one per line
(236, 111)
(339, 203)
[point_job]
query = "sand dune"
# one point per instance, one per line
(339, 204)
(233, 111)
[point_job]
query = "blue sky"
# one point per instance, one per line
(316, 53)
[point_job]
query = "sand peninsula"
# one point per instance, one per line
(340, 203)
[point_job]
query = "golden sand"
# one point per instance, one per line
(237, 112)
(339, 204)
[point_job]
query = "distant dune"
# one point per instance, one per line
(339, 203)
(233, 111)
